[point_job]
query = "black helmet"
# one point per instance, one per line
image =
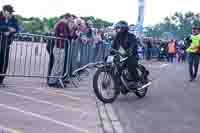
(8, 8)
(121, 24)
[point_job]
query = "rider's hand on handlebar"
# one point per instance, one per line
(129, 52)
(112, 53)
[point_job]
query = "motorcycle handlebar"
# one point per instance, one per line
(117, 52)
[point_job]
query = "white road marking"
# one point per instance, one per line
(48, 91)
(61, 93)
(158, 66)
(81, 130)
(10, 130)
(57, 92)
(70, 92)
(164, 65)
(43, 101)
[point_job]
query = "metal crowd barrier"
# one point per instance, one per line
(86, 55)
(152, 52)
(30, 55)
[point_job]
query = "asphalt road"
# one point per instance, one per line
(171, 105)
(29, 106)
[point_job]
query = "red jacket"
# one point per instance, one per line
(61, 31)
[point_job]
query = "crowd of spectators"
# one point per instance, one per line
(70, 27)
(163, 50)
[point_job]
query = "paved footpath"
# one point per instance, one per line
(29, 106)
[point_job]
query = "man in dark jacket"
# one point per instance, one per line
(8, 27)
(127, 42)
(149, 50)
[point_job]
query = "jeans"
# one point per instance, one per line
(193, 60)
(171, 57)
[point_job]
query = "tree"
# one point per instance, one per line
(98, 23)
(179, 25)
(37, 25)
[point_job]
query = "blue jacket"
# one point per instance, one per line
(5, 25)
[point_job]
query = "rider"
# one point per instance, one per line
(127, 43)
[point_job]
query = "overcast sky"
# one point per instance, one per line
(111, 10)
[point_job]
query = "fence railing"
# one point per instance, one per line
(29, 55)
(54, 58)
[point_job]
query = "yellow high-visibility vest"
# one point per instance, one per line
(195, 43)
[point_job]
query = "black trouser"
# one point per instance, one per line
(50, 46)
(132, 63)
(193, 60)
(51, 62)
(4, 56)
(181, 58)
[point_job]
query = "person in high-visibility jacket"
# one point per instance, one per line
(193, 52)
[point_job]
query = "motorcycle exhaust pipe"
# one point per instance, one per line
(144, 86)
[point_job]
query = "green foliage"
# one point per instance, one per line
(98, 23)
(179, 24)
(37, 25)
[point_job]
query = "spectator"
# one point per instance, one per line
(50, 46)
(78, 23)
(171, 50)
(70, 35)
(8, 27)
(62, 31)
(193, 57)
(99, 45)
(81, 30)
(90, 33)
(148, 50)
(181, 52)
(90, 40)
(51, 43)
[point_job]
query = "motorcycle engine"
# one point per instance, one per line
(128, 79)
(126, 75)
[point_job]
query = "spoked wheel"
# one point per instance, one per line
(104, 86)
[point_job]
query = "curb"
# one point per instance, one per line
(114, 119)
(110, 121)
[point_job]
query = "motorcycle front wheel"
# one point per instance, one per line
(104, 85)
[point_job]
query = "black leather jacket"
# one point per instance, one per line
(130, 44)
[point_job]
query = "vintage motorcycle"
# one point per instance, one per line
(116, 79)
